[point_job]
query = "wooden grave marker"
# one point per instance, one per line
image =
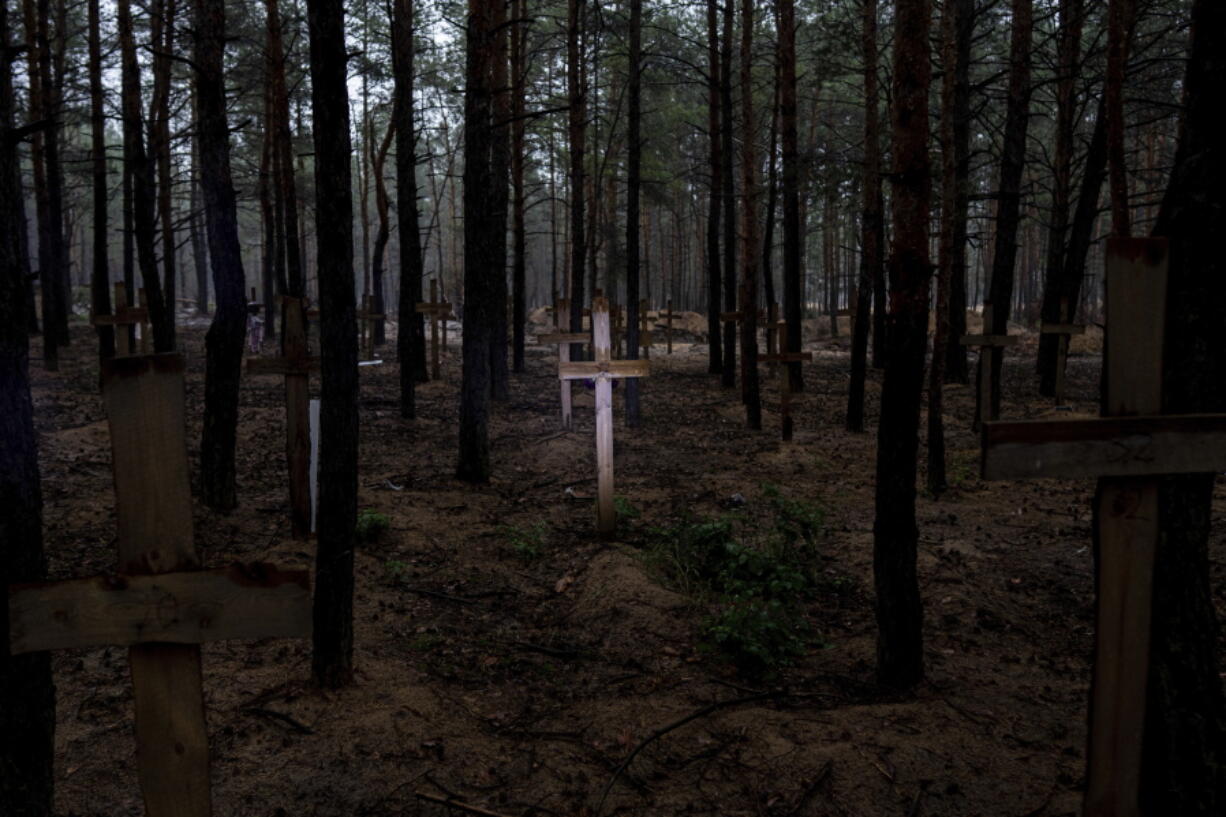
(367, 318)
(125, 316)
(645, 337)
(603, 370)
(986, 342)
(785, 385)
(1128, 448)
(1064, 330)
(668, 323)
(161, 605)
(296, 363)
(437, 311)
(563, 339)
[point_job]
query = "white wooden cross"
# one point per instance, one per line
(986, 343)
(563, 339)
(1128, 448)
(603, 370)
(296, 364)
(160, 605)
(1063, 332)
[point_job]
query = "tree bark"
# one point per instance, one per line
(200, 256)
(484, 252)
(1119, 17)
(27, 694)
(1009, 192)
(224, 341)
(633, 189)
(577, 132)
(500, 200)
(100, 276)
(715, 355)
(162, 22)
(143, 192)
(750, 241)
(872, 229)
(900, 656)
(382, 232)
(519, 250)
(728, 373)
(789, 138)
(332, 659)
(1184, 746)
(410, 344)
(283, 147)
(956, 369)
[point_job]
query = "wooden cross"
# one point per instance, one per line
(367, 319)
(296, 363)
(603, 370)
(438, 311)
(1063, 332)
(161, 604)
(563, 339)
(785, 386)
(1127, 449)
(645, 338)
(986, 343)
(123, 317)
(668, 323)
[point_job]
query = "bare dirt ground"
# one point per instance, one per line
(508, 658)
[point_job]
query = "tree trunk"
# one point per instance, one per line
(633, 189)
(950, 253)
(871, 228)
(750, 241)
(200, 257)
(519, 251)
(499, 193)
(224, 341)
(577, 132)
(1183, 766)
(772, 202)
(1009, 194)
(715, 361)
(162, 24)
(956, 369)
(377, 161)
(1119, 17)
(484, 252)
(100, 276)
(332, 659)
(143, 193)
(728, 373)
(900, 655)
(283, 147)
(411, 338)
(27, 694)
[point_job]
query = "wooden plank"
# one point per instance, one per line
(606, 517)
(144, 404)
(562, 337)
(1062, 329)
(1110, 446)
(1136, 309)
(989, 340)
(615, 369)
(257, 366)
(185, 607)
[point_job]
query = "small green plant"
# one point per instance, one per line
(527, 542)
(624, 509)
(371, 526)
(797, 521)
(394, 569)
(757, 635)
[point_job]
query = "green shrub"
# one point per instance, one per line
(371, 526)
(527, 542)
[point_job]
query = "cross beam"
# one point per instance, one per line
(367, 318)
(986, 343)
(668, 323)
(563, 339)
(296, 364)
(603, 370)
(126, 316)
(1127, 449)
(438, 311)
(785, 386)
(1063, 332)
(161, 605)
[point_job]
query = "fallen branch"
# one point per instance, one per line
(451, 802)
(294, 724)
(664, 730)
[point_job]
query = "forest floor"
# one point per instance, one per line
(508, 658)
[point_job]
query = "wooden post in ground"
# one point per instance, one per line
(367, 319)
(563, 339)
(619, 319)
(296, 364)
(437, 311)
(123, 318)
(668, 324)
(785, 385)
(1127, 449)
(603, 370)
(645, 339)
(161, 604)
(986, 342)
(1064, 330)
